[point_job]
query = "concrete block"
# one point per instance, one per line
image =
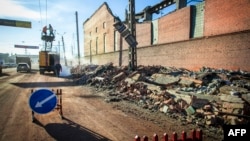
(165, 109)
(229, 98)
(246, 97)
(233, 105)
(165, 79)
(190, 110)
(199, 103)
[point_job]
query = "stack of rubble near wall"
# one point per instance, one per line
(207, 97)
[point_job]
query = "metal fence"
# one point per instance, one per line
(196, 135)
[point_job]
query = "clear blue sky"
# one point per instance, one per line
(60, 14)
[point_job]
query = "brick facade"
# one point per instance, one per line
(175, 26)
(167, 41)
(144, 37)
(229, 51)
(99, 32)
(226, 16)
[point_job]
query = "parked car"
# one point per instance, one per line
(23, 67)
(1, 69)
(5, 65)
(13, 65)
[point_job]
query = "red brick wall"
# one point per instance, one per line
(175, 26)
(226, 16)
(143, 34)
(124, 44)
(227, 52)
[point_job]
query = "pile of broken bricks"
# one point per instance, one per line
(208, 97)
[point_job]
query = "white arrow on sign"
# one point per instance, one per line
(40, 104)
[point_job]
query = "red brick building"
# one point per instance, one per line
(99, 32)
(213, 34)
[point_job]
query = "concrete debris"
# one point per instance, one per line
(208, 97)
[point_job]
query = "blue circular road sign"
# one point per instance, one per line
(42, 101)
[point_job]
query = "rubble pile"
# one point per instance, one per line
(208, 97)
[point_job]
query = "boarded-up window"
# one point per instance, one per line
(104, 25)
(116, 41)
(104, 42)
(96, 45)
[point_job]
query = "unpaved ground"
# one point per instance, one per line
(86, 115)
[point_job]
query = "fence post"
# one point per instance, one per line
(196, 135)
(32, 112)
(165, 137)
(155, 137)
(137, 138)
(199, 135)
(184, 136)
(61, 111)
(145, 138)
(193, 135)
(174, 136)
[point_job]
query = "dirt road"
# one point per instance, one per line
(87, 117)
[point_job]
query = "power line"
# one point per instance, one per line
(46, 12)
(40, 14)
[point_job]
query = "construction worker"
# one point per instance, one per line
(45, 30)
(58, 69)
(51, 30)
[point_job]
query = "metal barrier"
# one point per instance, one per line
(196, 135)
(58, 103)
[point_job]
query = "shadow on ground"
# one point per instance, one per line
(4, 74)
(43, 84)
(71, 131)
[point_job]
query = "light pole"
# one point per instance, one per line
(77, 34)
(59, 41)
(25, 50)
(63, 48)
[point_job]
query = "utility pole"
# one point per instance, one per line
(132, 27)
(59, 47)
(77, 34)
(64, 52)
(129, 34)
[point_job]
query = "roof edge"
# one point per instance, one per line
(104, 4)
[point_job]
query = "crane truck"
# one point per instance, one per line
(47, 58)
